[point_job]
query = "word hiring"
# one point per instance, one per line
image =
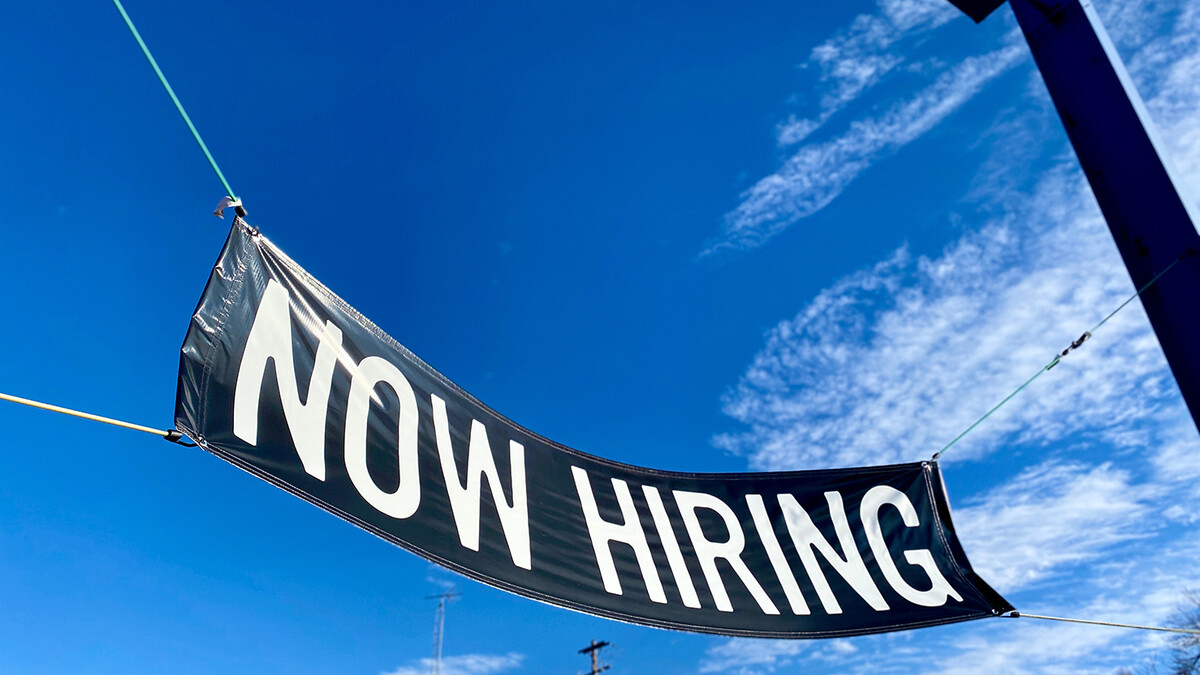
(804, 534)
(270, 339)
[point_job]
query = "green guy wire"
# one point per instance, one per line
(988, 414)
(1140, 291)
(163, 78)
(1056, 359)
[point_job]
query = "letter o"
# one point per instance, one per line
(404, 501)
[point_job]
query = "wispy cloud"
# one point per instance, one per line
(747, 656)
(1177, 465)
(891, 363)
(858, 57)
(1138, 589)
(1013, 543)
(818, 172)
(466, 664)
(440, 577)
(1141, 588)
(848, 64)
(1176, 93)
(1090, 509)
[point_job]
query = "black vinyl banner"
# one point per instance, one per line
(282, 378)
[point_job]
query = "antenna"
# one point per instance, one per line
(439, 627)
(594, 650)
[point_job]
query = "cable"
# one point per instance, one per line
(996, 407)
(1185, 631)
(1142, 289)
(1055, 361)
(163, 78)
(172, 435)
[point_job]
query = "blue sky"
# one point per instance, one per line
(705, 238)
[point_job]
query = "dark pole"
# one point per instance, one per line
(1153, 225)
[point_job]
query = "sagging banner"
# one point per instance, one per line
(282, 378)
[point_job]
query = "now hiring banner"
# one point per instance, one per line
(284, 379)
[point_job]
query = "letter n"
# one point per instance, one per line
(271, 340)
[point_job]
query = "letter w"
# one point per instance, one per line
(271, 340)
(464, 502)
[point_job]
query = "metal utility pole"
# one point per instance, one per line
(439, 627)
(594, 650)
(1153, 225)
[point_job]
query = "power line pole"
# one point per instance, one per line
(439, 627)
(594, 650)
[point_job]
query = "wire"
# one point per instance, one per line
(1054, 362)
(1186, 631)
(163, 78)
(172, 435)
(996, 407)
(1140, 290)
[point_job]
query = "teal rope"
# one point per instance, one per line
(163, 78)
(1056, 359)
(979, 421)
(1140, 291)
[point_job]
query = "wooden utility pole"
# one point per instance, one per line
(594, 650)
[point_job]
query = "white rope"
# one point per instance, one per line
(1186, 631)
(167, 434)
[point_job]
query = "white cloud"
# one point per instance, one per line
(862, 55)
(742, 656)
(910, 14)
(1133, 25)
(1141, 589)
(1176, 463)
(1050, 516)
(848, 64)
(859, 57)
(465, 664)
(1093, 502)
(891, 363)
(750, 656)
(440, 577)
(818, 172)
(1175, 59)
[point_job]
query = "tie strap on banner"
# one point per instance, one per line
(229, 202)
